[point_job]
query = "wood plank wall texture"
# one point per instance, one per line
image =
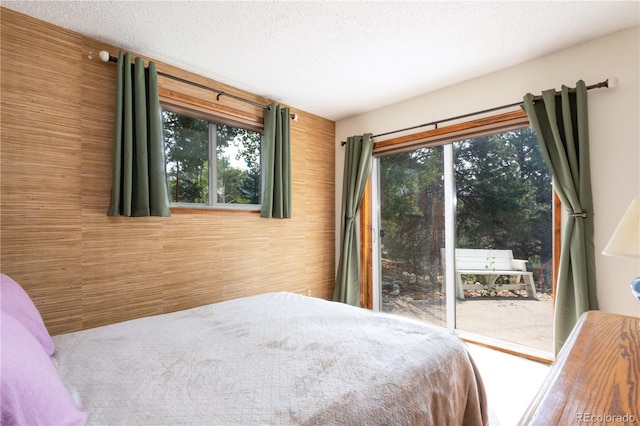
(84, 269)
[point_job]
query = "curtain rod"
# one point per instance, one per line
(606, 83)
(106, 57)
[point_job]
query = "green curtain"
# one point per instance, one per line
(276, 195)
(561, 124)
(357, 165)
(139, 184)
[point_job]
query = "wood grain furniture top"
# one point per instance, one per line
(596, 377)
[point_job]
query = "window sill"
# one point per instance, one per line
(534, 354)
(195, 209)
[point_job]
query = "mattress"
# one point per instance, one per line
(271, 359)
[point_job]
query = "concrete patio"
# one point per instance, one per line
(518, 320)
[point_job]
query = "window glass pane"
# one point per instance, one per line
(187, 152)
(238, 165)
(412, 238)
(504, 202)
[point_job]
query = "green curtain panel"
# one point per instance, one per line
(276, 195)
(139, 185)
(357, 166)
(561, 124)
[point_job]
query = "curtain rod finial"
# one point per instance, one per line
(105, 56)
(612, 82)
(294, 117)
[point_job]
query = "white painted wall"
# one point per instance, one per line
(614, 126)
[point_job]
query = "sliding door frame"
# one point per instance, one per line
(439, 136)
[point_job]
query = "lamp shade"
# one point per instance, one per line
(625, 240)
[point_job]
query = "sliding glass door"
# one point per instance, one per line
(412, 234)
(488, 197)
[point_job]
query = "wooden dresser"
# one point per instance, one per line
(596, 377)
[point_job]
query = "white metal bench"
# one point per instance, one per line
(492, 264)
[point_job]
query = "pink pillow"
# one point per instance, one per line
(31, 392)
(15, 301)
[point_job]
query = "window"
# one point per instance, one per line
(211, 163)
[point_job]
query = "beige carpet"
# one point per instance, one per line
(511, 383)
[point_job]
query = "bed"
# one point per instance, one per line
(270, 359)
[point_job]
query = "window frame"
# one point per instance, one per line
(440, 136)
(213, 119)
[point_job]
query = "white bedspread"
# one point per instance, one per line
(272, 359)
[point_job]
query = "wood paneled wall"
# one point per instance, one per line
(85, 269)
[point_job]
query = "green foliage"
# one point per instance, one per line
(503, 195)
(186, 145)
(247, 187)
(413, 191)
(238, 179)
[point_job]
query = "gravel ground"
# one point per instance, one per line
(523, 321)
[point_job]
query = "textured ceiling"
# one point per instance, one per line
(337, 59)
